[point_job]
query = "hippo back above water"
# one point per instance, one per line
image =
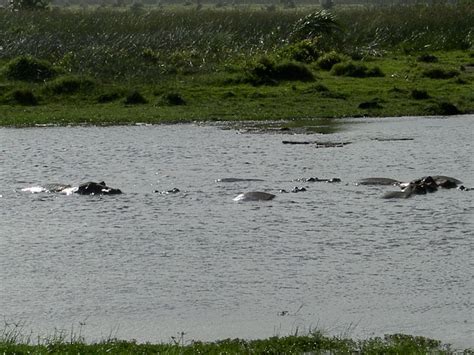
(94, 188)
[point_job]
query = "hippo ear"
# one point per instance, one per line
(102, 183)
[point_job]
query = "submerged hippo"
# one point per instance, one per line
(254, 196)
(423, 186)
(237, 179)
(94, 188)
(88, 188)
(378, 181)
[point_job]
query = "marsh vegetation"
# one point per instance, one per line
(233, 63)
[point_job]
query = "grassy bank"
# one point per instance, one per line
(110, 66)
(315, 343)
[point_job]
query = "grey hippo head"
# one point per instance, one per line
(254, 196)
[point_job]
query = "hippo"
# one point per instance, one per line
(236, 179)
(424, 185)
(94, 188)
(174, 190)
(254, 196)
(378, 181)
(316, 179)
(88, 188)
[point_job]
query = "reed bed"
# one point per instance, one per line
(124, 44)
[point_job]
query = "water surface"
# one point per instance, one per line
(149, 266)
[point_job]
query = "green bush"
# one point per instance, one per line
(108, 97)
(135, 98)
(70, 85)
(266, 72)
(316, 88)
(419, 94)
(369, 105)
(327, 61)
(443, 108)
(315, 25)
(29, 4)
(355, 70)
(24, 97)
(427, 58)
(172, 99)
(29, 69)
(303, 51)
(439, 73)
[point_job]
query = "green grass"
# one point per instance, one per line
(315, 343)
(180, 65)
(218, 96)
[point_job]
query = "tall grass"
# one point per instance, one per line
(113, 44)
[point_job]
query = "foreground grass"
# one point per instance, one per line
(315, 343)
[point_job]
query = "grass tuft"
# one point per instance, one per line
(419, 94)
(439, 73)
(30, 69)
(356, 70)
(328, 60)
(135, 98)
(24, 97)
(443, 108)
(266, 72)
(70, 85)
(172, 99)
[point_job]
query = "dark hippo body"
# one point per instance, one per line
(88, 188)
(424, 185)
(94, 188)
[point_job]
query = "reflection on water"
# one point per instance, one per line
(147, 266)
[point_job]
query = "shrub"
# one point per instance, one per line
(172, 99)
(327, 61)
(267, 72)
(303, 51)
(24, 97)
(70, 85)
(419, 94)
(439, 73)
(314, 25)
(372, 104)
(29, 69)
(427, 58)
(108, 97)
(317, 88)
(355, 70)
(443, 108)
(135, 98)
(29, 4)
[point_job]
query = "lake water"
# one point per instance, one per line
(149, 266)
